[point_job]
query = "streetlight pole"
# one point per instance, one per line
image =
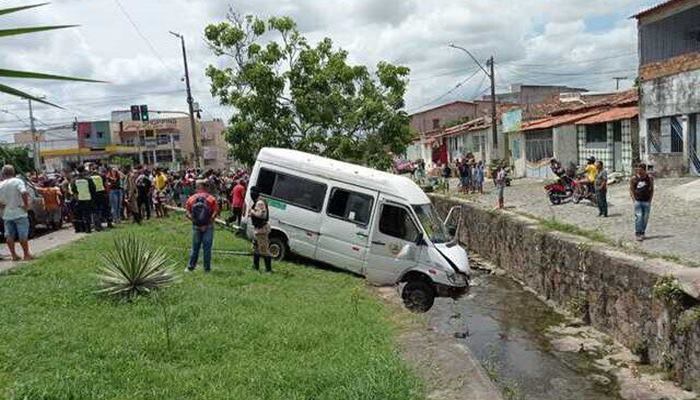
(492, 76)
(35, 138)
(190, 102)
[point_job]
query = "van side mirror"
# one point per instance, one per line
(452, 230)
(420, 240)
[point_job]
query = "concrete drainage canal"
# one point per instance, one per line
(532, 352)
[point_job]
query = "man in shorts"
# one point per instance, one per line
(15, 198)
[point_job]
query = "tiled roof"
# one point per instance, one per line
(613, 114)
(554, 121)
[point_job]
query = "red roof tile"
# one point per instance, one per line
(551, 122)
(613, 114)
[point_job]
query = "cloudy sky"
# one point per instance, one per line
(126, 43)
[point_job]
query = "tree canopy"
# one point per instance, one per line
(288, 93)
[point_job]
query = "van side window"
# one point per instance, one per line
(396, 222)
(351, 206)
(292, 189)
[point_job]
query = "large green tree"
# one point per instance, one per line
(288, 93)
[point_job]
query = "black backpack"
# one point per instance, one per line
(201, 212)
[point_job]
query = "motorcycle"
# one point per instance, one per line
(583, 190)
(560, 190)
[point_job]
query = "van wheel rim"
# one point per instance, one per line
(417, 298)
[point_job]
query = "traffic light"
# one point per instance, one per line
(144, 113)
(135, 113)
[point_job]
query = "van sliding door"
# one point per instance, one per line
(344, 237)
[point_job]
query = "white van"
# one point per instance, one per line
(373, 223)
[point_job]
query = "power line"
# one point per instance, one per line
(145, 39)
(457, 86)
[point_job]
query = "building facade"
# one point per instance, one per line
(165, 142)
(669, 83)
(428, 125)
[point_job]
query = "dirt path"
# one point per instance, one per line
(448, 368)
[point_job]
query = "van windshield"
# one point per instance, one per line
(432, 224)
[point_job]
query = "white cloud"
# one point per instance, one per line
(552, 34)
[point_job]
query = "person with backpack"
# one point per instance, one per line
(143, 198)
(202, 210)
(259, 217)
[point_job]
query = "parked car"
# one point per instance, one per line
(376, 224)
(36, 213)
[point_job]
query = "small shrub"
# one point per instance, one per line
(578, 306)
(134, 267)
(688, 319)
(667, 289)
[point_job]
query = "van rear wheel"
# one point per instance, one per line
(278, 248)
(418, 296)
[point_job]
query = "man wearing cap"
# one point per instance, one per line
(259, 217)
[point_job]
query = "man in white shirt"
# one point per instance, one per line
(15, 200)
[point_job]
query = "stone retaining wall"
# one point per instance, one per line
(611, 290)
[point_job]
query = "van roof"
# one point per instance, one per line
(395, 185)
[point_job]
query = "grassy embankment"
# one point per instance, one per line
(300, 333)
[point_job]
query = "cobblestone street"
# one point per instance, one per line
(673, 225)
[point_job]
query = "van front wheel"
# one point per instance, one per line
(418, 296)
(278, 248)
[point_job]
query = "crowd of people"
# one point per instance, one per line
(96, 197)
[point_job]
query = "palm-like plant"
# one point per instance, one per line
(8, 73)
(133, 268)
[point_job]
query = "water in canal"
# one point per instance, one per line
(504, 326)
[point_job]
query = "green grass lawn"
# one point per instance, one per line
(300, 333)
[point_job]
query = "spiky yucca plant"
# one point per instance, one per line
(134, 267)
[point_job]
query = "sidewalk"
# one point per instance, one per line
(673, 225)
(38, 246)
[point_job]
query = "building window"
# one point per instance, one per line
(654, 135)
(350, 206)
(396, 222)
(294, 190)
(100, 135)
(539, 145)
(665, 135)
(597, 136)
(436, 123)
(163, 139)
(676, 135)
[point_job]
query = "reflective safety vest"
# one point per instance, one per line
(83, 187)
(99, 184)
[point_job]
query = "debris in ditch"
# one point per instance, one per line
(462, 335)
(601, 380)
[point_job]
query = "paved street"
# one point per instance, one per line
(39, 245)
(673, 225)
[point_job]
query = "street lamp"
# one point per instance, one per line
(492, 76)
(190, 101)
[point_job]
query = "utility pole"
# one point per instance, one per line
(35, 138)
(190, 102)
(617, 81)
(492, 76)
(494, 118)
